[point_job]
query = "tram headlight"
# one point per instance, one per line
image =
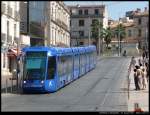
(24, 81)
(42, 81)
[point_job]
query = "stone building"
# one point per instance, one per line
(81, 20)
(58, 29)
(10, 36)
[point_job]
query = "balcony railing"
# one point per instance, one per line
(3, 6)
(87, 16)
(9, 11)
(62, 24)
(16, 16)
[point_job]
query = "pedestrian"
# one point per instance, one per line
(147, 71)
(124, 53)
(144, 78)
(133, 62)
(143, 55)
(146, 53)
(139, 61)
(141, 66)
(139, 75)
(136, 80)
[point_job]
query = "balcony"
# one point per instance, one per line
(16, 16)
(62, 24)
(9, 39)
(9, 11)
(3, 6)
(87, 16)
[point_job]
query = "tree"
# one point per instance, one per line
(107, 35)
(120, 33)
(96, 28)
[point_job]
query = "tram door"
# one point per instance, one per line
(51, 69)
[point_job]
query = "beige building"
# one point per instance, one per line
(58, 29)
(81, 20)
(136, 29)
(141, 22)
(10, 35)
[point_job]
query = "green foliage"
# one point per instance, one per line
(107, 35)
(120, 30)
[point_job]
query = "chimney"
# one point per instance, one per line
(145, 9)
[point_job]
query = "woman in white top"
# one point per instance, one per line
(144, 81)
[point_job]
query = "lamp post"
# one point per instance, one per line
(89, 32)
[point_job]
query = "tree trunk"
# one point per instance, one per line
(99, 46)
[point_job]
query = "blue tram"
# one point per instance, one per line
(47, 69)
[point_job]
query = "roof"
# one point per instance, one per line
(87, 6)
(128, 24)
(146, 13)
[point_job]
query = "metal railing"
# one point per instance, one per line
(128, 79)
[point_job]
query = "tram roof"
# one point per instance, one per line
(61, 51)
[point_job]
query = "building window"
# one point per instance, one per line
(80, 12)
(81, 43)
(70, 22)
(139, 21)
(4, 60)
(86, 12)
(140, 32)
(129, 33)
(94, 20)
(81, 33)
(14, 31)
(96, 11)
(81, 22)
(7, 31)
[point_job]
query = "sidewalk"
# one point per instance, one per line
(7, 83)
(140, 96)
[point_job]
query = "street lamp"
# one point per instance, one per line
(89, 31)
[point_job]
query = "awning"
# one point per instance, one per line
(13, 52)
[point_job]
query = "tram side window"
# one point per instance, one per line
(51, 67)
(67, 64)
(70, 64)
(76, 61)
(62, 66)
(83, 59)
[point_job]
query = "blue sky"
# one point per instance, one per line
(115, 9)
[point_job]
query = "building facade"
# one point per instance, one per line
(10, 35)
(81, 20)
(58, 28)
(136, 29)
(141, 22)
(24, 25)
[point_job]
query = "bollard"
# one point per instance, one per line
(6, 86)
(137, 108)
(11, 85)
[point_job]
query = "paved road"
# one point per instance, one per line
(102, 89)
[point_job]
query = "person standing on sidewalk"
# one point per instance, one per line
(136, 80)
(133, 62)
(144, 79)
(147, 71)
(139, 75)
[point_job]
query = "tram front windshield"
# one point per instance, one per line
(35, 66)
